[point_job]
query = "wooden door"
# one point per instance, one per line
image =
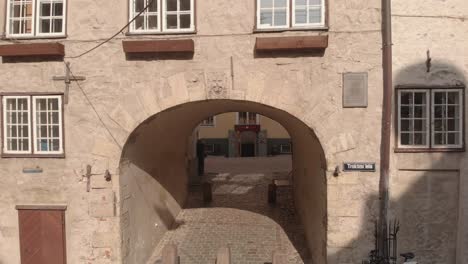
(42, 236)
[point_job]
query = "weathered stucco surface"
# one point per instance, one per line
(125, 93)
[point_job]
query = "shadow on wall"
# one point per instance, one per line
(424, 190)
(425, 203)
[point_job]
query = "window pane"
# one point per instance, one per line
(280, 18)
(301, 2)
(266, 3)
(452, 111)
(419, 111)
(139, 22)
(406, 139)
(45, 9)
(420, 98)
(439, 111)
(453, 138)
(266, 17)
(139, 5)
(171, 5)
(315, 15)
(45, 26)
(57, 25)
(185, 21)
(439, 98)
(185, 5)
(281, 3)
(55, 145)
(439, 139)
(58, 9)
(153, 22)
(406, 111)
(419, 125)
(406, 98)
(419, 139)
(301, 16)
(315, 2)
(171, 21)
(453, 98)
(405, 125)
(153, 6)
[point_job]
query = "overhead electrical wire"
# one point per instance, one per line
(113, 36)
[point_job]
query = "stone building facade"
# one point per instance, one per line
(243, 134)
(118, 167)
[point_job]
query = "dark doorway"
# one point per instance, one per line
(248, 150)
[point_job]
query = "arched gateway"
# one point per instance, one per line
(156, 165)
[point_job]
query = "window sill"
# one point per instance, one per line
(7, 37)
(170, 33)
(279, 30)
(32, 49)
(429, 150)
(39, 156)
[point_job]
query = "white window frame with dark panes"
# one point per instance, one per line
(430, 118)
(34, 127)
(292, 13)
(36, 18)
(247, 118)
(208, 122)
(162, 16)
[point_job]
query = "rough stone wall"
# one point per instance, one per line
(127, 92)
(441, 28)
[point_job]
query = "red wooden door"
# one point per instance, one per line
(42, 236)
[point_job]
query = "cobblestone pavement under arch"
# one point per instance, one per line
(239, 215)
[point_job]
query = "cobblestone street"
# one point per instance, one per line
(239, 215)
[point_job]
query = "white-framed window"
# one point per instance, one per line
(247, 118)
(149, 20)
(162, 16)
(32, 125)
(285, 148)
(209, 122)
(36, 18)
(16, 124)
(308, 13)
(272, 13)
(430, 118)
(446, 114)
(283, 14)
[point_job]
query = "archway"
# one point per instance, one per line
(156, 164)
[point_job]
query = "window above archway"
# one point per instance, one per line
(285, 14)
(162, 16)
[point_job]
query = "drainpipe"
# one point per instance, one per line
(386, 125)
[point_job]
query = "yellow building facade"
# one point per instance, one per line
(243, 134)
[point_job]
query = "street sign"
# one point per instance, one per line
(359, 166)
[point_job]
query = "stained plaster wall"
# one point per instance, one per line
(124, 93)
(429, 190)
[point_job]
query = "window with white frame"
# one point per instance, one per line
(247, 118)
(32, 125)
(210, 121)
(276, 14)
(36, 18)
(430, 118)
(162, 16)
(285, 148)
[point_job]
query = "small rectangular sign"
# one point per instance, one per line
(359, 166)
(355, 89)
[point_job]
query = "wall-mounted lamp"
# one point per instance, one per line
(107, 176)
(336, 173)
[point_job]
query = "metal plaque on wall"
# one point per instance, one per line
(355, 89)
